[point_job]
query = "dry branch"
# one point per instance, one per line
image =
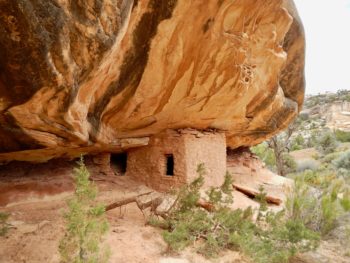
(206, 205)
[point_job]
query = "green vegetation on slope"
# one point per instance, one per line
(321, 198)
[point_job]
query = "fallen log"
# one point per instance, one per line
(253, 193)
(153, 203)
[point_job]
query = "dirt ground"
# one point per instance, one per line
(35, 197)
(37, 224)
(38, 227)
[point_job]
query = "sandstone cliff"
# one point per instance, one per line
(88, 75)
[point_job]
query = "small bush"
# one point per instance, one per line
(86, 223)
(315, 156)
(301, 204)
(311, 177)
(327, 143)
(329, 214)
(261, 199)
(296, 147)
(312, 140)
(330, 157)
(298, 143)
(265, 153)
(316, 209)
(289, 163)
(345, 201)
(342, 136)
(321, 178)
(343, 162)
(4, 227)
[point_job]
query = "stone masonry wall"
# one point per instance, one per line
(189, 148)
(208, 148)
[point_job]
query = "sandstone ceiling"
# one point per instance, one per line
(94, 74)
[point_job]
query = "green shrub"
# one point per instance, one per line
(329, 214)
(4, 226)
(296, 147)
(342, 136)
(311, 177)
(298, 143)
(315, 156)
(272, 239)
(345, 203)
(301, 203)
(261, 199)
(343, 162)
(281, 240)
(321, 178)
(86, 223)
(330, 157)
(265, 153)
(331, 207)
(317, 209)
(312, 141)
(289, 163)
(327, 143)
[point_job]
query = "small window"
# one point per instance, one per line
(119, 162)
(169, 165)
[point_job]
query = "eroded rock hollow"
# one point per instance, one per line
(91, 75)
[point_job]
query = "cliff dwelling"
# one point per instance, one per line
(170, 159)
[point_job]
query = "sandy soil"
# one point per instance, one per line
(35, 196)
(38, 227)
(38, 224)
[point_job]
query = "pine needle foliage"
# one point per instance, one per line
(85, 223)
(273, 238)
(261, 199)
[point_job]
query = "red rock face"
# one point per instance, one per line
(85, 75)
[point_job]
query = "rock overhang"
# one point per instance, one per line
(76, 76)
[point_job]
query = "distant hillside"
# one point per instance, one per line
(329, 110)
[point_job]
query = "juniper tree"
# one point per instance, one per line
(85, 223)
(271, 239)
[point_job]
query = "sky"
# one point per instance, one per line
(327, 30)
